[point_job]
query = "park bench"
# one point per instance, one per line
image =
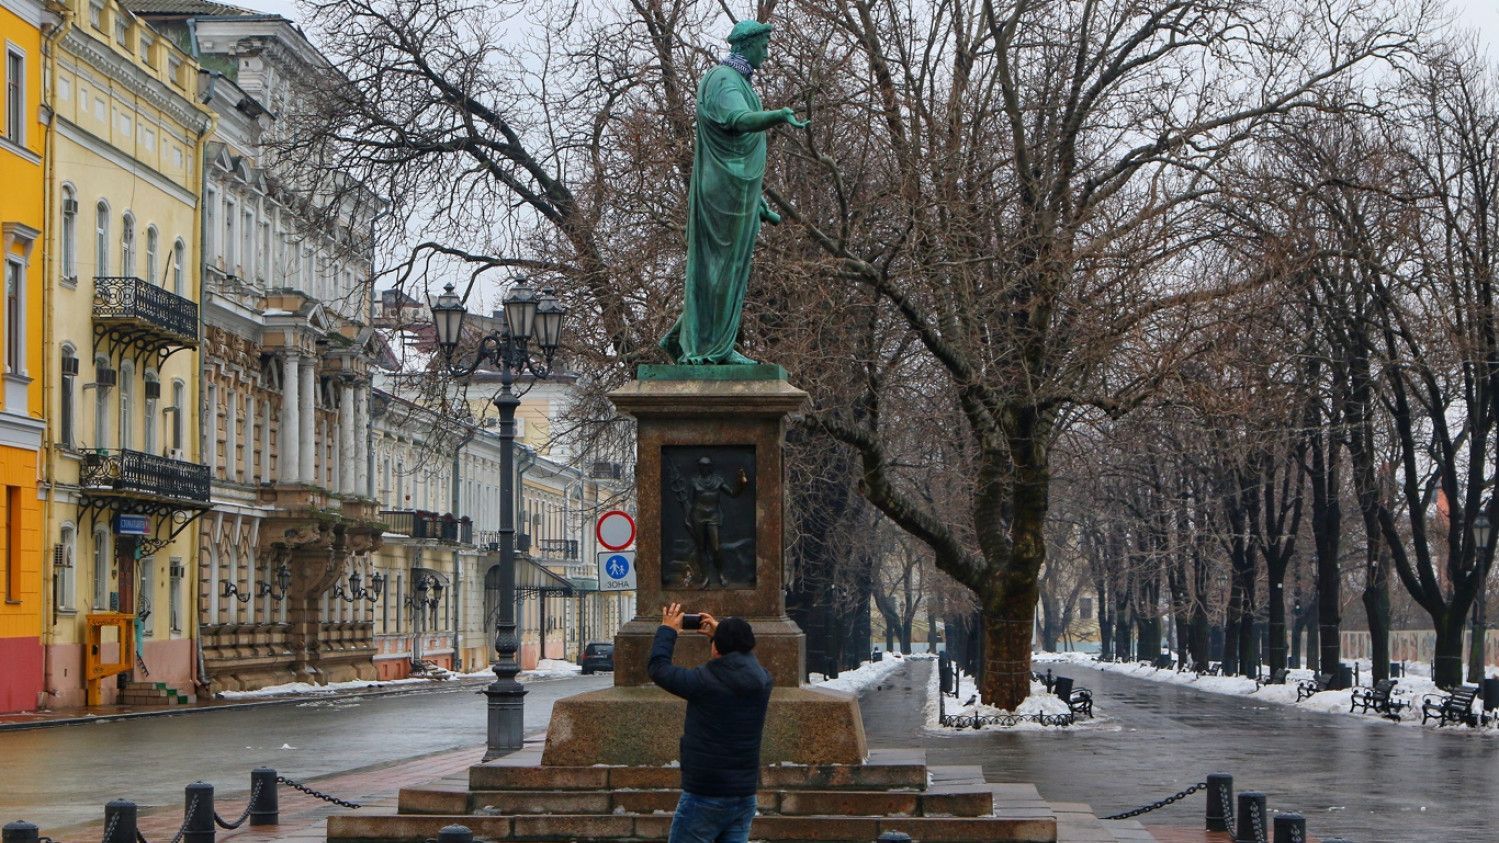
(1378, 699)
(1079, 700)
(1316, 685)
(1277, 678)
(1456, 707)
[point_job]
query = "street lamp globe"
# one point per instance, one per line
(549, 316)
(520, 309)
(1481, 531)
(447, 320)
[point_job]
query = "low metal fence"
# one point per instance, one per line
(200, 820)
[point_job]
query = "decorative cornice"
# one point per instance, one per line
(137, 81)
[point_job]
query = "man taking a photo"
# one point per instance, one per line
(720, 748)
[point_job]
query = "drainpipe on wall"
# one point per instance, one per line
(49, 262)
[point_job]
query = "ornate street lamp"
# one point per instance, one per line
(1481, 532)
(527, 315)
(263, 588)
(356, 592)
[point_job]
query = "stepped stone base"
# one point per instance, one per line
(641, 726)
(518, 798)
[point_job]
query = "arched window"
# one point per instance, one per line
(151, 265)
(177, 277)
(101, 567)
(179, 406)
(65, 397)
(66, 578)
(69, 238)
(148, 418)
(127, 400)
(101, 238)
(127, 244)
(101, 407)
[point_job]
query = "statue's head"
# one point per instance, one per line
(751, 39)
(704, 466)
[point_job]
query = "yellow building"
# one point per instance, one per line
(121, 471)
(22, 145)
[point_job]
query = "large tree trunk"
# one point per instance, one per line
(1447, 667)
(1376, 599)
(1277, 613)
(1006, 673)
(1313, 634)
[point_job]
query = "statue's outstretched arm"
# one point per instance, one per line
(759, 121)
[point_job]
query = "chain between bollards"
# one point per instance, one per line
(342, 803)
(1145, 809)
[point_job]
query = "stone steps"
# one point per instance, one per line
(153, 693)
(515, 798)
(954, 800)
(627, 828)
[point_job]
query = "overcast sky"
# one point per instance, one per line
(1482, 15)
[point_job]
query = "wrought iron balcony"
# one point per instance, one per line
(422, 524)
(560, 548)
(138, 313)
(136, 474)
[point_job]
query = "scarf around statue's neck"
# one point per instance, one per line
(739, 63)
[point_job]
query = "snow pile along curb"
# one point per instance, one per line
(1408, 689)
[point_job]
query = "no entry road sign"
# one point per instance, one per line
(615, 530)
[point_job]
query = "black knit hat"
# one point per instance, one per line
(733, 635)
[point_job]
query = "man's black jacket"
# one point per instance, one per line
(726, 702)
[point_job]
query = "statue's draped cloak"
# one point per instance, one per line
(723, 219)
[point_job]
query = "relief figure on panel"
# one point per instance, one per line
(711, 542)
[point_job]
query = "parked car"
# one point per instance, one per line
(598, 655)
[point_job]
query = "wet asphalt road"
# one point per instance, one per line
(63, 775)
(1368, 780)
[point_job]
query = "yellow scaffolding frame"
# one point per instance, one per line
(94, 668)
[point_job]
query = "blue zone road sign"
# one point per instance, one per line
(617, 570)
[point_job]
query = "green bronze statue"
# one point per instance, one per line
(725, 205)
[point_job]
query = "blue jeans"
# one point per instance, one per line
(710, 819)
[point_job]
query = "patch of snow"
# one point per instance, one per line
(864, 676)
(1410, 688)
(310, 688)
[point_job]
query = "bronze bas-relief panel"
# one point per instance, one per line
(708, 517)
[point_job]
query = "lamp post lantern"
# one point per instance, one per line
(1482, 530)
(527, 315)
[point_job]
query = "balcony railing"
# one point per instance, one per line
(422, 524)
(144, 308)
(139, 474)
(560, 548)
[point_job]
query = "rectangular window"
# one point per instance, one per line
(12, 544)
(174, 594)
(15, 282)
(15, 96)
(147, 42)
(230, 241)
(210, 206)
(122, 30)
(96, 15)
(246, 245)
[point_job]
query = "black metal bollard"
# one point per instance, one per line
(455, 834)
(20, 831)
(1251, 818)
(893, 837)
(1290, 828)
(197, 823)
(265, 803)
(1220, 801)
(121, 815)
(1491, 694)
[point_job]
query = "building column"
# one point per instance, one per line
(362, 450)
(308, 473)
(346, 470)
(290, 423)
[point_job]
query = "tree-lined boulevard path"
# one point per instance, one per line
(1368, 780)
(1365, 779)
